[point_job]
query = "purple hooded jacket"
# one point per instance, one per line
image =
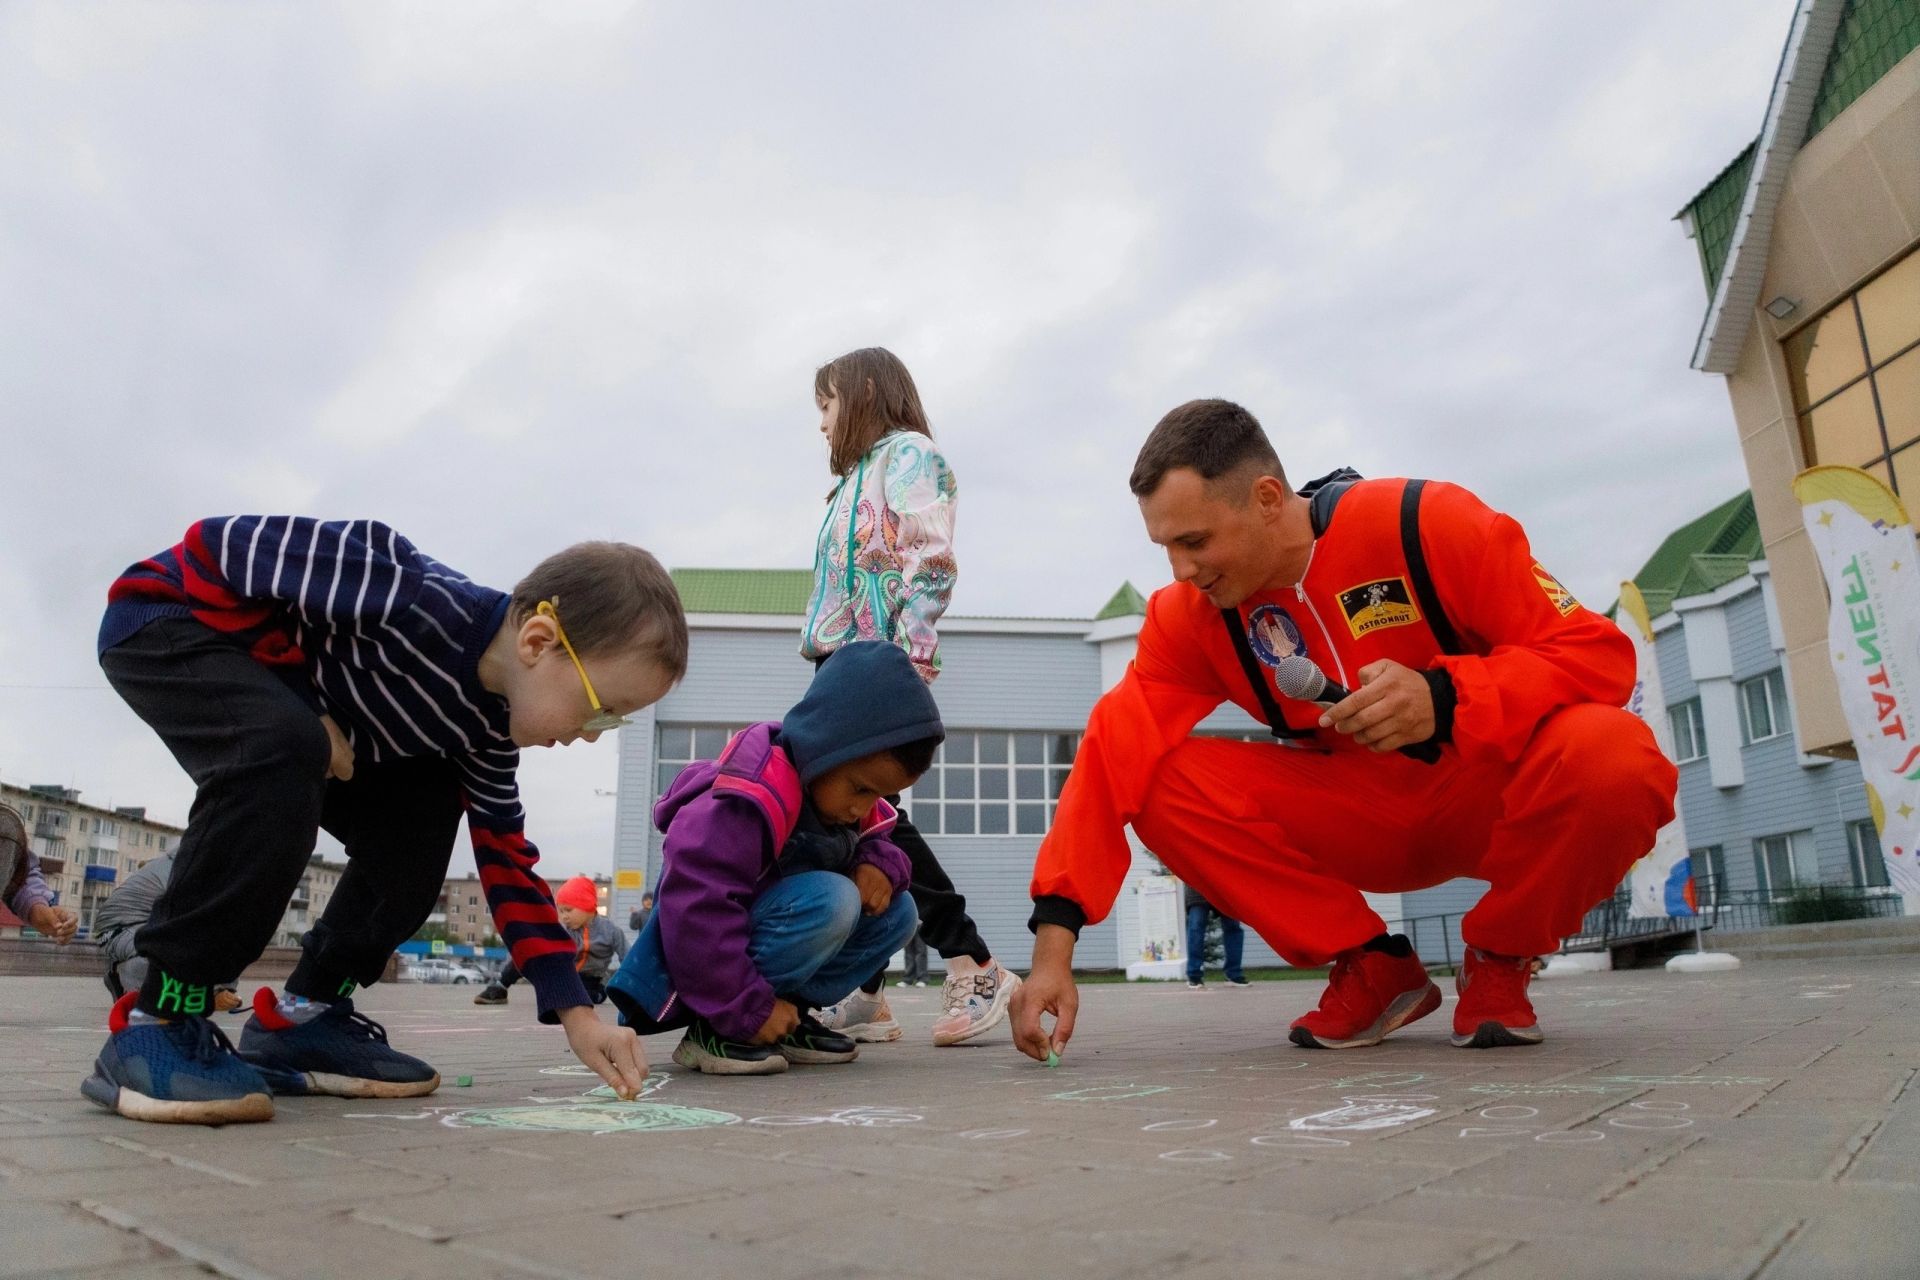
(726, 821)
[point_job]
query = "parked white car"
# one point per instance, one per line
(441, 969)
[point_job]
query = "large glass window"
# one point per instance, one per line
(1856, 378)
(678, 745)
(1709, 865)
(992, 783)
(1763, 703)
(1689, 731)
(1863, 848)
(1782, 862)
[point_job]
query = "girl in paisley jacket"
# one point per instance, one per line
(884, 570)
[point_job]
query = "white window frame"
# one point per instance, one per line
(1709, 863)
(1696, 747)
(1775, 684)
(1799, 852)
(1007, 762)
(702, 742)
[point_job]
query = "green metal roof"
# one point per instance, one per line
(783, 592)
(1126, 603)
(1873, 36)
(1716, 211)
(1702, 555)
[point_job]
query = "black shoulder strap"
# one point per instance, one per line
(1417, 569)
(1276, 722)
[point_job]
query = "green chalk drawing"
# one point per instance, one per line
(1110, 1092)
(590, 1117)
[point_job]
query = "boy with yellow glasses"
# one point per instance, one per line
(326, 674)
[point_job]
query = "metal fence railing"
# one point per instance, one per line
(1611, 922)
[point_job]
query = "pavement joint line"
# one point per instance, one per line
(1802, 1066)
(1771, 1247)
(1837, 1169)
(1646, 1168)
(1493, 1153)
(513, 1260)
(419, 1231)
(184, 1162)
(1759, 1097)
(1479, 1259)
(175, 1244)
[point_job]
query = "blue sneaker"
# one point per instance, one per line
(180, 1072)
(337, 1051)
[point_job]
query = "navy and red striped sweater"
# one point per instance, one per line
(390, 642)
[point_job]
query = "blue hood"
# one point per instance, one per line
(864, 699)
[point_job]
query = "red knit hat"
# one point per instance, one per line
(579, 894)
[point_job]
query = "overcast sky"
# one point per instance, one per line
(512, 275)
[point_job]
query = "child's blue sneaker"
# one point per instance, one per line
(336, 1051)
(184, 1071)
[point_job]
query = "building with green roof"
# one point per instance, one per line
(1807, 245)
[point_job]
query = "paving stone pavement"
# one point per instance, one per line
(1760, 1124)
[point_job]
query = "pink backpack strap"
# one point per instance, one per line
(880, 820)
(766, 777)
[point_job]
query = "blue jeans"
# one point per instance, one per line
(1232, 937)
(811, 943)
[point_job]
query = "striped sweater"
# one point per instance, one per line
(389, 641)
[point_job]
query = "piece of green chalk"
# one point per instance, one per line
(1053, 1059)
(464, 1082)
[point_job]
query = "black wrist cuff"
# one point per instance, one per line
(1053, 909)
(1440, 684)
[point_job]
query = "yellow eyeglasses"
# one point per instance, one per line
(602, 720)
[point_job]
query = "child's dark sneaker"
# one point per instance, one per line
(492, 993)
(1371, 993)
(1494, 1010)
(705, 1049)
(184, 1071)
(811, 1044)
(336, 1051)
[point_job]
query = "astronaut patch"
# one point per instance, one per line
(1557, 596)
(1273, 635)
(1372, 606)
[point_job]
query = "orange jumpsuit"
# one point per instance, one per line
(1547, 789)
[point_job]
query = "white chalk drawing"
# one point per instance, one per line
(1609, 1002)
(1509, 1113)
(1818, 995)
(1482, 1131)
(1195, 1157)
(1297, 1140)
(1381, 1080)
(1651, 1121)
(1110, 1092)
(1655, 1104)
(570, 1069)
(1172, 1126)
(1546, 1090)
(1364, 1115)
(651, 1085)
(593, 1117)
(993, 1135)
(386, 1115)
(1565, 1136)
(857, 1117)
(1292, 1066)
(1708, 1082)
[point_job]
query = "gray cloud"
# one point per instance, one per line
(511, 275)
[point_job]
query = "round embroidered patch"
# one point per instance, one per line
(1273, 634)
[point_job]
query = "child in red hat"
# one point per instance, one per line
(599, 943)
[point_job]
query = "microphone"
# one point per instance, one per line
(1300, 677)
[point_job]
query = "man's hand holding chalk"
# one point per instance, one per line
(612, 1052)
(1048, 989)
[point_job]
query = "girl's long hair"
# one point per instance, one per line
(877, 396)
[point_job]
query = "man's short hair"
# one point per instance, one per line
(1212, 437)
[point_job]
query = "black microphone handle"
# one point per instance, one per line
(1424, 752)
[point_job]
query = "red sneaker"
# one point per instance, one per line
(1494, 1009)
(1369, 995)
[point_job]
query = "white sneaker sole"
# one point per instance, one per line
(995, 1015)
(354, 1087)
(249, 1109)
(872, 1032)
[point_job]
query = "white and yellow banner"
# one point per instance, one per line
(1662, 882)
(1866, 548)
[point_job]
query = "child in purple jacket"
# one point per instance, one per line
(780, 890)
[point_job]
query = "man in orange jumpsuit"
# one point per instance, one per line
(1483, 737)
